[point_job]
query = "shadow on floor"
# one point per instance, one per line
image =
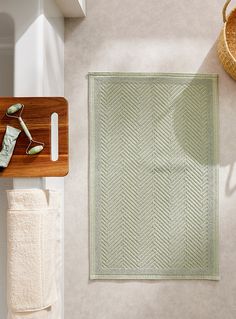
(227, 112)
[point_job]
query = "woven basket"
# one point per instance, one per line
(227, 42)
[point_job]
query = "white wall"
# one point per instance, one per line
(39, 46)
(53, 50)
(6, 63)
(72, 8)
(6, 55)
(38, 71)
(6, 89)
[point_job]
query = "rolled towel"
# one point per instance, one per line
(31, 249)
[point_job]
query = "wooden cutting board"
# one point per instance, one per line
(37, 116)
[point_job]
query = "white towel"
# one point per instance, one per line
(31, 252)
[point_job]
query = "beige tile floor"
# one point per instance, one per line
(148, 36)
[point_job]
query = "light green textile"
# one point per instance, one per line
(153, 176)
(8, 145)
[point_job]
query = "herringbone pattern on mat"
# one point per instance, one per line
(153, 176)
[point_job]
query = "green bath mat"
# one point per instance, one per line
(153, 176)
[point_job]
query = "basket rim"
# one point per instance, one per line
(225, 38)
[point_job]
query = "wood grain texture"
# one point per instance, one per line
(37, 116)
